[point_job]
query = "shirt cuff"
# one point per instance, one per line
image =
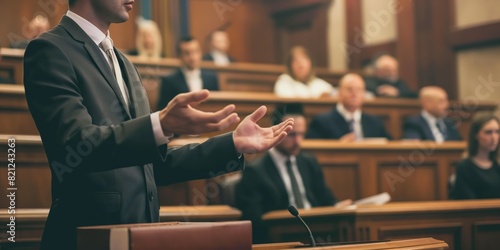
(160, 137)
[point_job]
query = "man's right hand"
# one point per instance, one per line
(180, 118)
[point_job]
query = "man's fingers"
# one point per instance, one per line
(277, 139)
(192, 97)
(283, 124)
(226, 122)
(258, 114)
(212, 117)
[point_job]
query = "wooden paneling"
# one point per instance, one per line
(423, 47)
(474, 37)
(250, 28)
(451, 221)
(354, 25)
(368, 53)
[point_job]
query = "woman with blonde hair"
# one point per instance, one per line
(149, 41)
(478, 176)
(300, 79)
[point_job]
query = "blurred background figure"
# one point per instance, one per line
(149, 43)
(219, 47)
(478, 176)
(431, 123)
(385, 80)
(300, 79)
(38, 25)
(190, 77)
(346, 121)
(283, 176)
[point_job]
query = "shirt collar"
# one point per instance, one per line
(91, 30)
(356, 116)
(279, 158)
(429, 118)
(194, 72)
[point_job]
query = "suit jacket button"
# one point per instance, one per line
(151, 197)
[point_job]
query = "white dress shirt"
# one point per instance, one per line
(193, 79)
(286, 86)
(280, 160)
(432, 122)
(97, 37)
(220, 59)
(356, 117)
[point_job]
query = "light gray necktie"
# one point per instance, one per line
(107, 46)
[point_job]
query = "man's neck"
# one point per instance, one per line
(90, 15)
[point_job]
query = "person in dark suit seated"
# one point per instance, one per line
(188, 78)
(283, 176)
(386, 81)
(219, 47)
(346, 121)
(478, 176)
(431, 123)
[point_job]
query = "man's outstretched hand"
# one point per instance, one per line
(180, 118)
(250, 138)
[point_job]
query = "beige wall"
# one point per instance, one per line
(379, 21)
(337, 36)
(479, 75)
(476, 12)
(478, 69)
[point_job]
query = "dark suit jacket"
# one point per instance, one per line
(372, 83)
(332, 125)
(209, 57)
(175, 84)
(104, 160)
(261, 190)
(416, 127)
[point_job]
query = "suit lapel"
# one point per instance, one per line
(183, 85)
(305, 174)
(427, 129)
(95, 53)
(275, 175)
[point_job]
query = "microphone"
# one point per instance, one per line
(293, 210)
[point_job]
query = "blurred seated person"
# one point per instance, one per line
(386, 81)
(431, 123)
(300, 79)
(478, 176)
(346, 121)
(283, 176)
(148, 41)
(219, 47)
(38, 25)
(190, 77)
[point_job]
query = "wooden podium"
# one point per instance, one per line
(423, 243)
(169, 235)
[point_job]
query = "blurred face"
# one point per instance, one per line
(148, 39)
(488, 136)
(190, 54)
(37, 26)
(293, 141)
(352, 92)
(301, 66)
(220, 41)
(387, 69)
(112, 11)
(436, 104)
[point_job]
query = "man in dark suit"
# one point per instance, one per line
(106, 152)
(219, 47)
(188, 78)
(431, 123)
(346, 121)
(283, 176)
(386, 81)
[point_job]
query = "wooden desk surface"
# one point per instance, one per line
(392, 208)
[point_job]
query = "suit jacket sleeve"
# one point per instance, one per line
(166, 92)
(411, 130)
(323, 192)
(314, 130)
